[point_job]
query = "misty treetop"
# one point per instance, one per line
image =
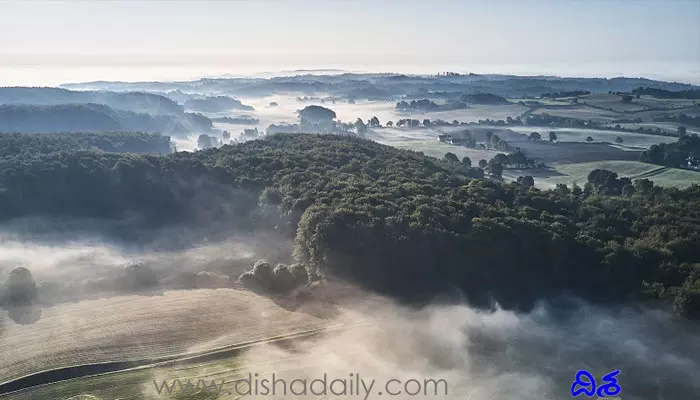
(393, 220)
(314, 114)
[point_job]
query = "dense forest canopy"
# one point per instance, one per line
(29, 144)
(393, 220)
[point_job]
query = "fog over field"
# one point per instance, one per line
(481, 354)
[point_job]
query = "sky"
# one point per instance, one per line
(49, 42)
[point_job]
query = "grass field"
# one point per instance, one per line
(579, 135)
(140, 327)
(581, 112)
(473, 114)
(544, 102)
(425, 140)
(653, 102)
(578, 173)
(614, 102)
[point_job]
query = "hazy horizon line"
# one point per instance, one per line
(60, 75)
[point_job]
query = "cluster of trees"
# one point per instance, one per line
(393, 220)
(407, 122)
(572, 93)
(497, 164)
(315, 114)
(414, 123)
(319, 119)
(307, 99)
(493, 141)
(17, 144)
(683, 153)
(484, 98)
(667, 94)
(205, 141)
(554, 120)
(516, 160)
(426, 105)
(680, 118)
(237, 120)
(280, 279)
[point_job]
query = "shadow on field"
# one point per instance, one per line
(23, 314)
(572, 152)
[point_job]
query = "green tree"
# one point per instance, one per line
(681, 131)
(360, 126)
(518, 159)
(589, 139)
(552, 136)
(20, 287)
(534, 136)
(501, 159)
(315, 115)
(644, 186)
(483, 163)
(527, 181)
(496, 170)
(451, 157)
(466, 161)
(426, 122)
(618, 140)
(204, 142)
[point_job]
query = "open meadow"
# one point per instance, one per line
(577, 173)
(141, 327)
(631, 140)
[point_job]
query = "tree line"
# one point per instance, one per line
(393, 220)
(19, 144)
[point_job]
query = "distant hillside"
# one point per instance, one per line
(130, 101)
(94, 117)
(216, 104)
(27, 144)
(389, 87)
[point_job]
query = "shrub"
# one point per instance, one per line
(301, 275)
(20, 287)
(282, 278)
(138, 276)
